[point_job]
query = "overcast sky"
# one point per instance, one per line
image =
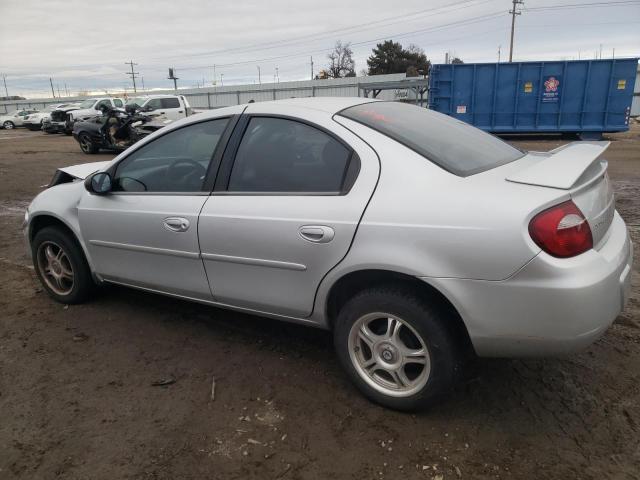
(84, 44)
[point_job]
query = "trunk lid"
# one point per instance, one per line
(579, 169)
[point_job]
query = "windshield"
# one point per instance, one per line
(138, 101)
(86, 104)
(451, 144)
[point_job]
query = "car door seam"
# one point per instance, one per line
(353, 238)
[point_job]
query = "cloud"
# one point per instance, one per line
(85, 43)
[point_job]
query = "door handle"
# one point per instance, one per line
(316, 233)
(176, 224)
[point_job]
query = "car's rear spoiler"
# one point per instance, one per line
(563, 166)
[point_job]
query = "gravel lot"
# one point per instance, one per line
(77, 400)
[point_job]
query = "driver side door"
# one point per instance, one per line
(144, 233)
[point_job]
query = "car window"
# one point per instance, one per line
(170, 103)
(280, 155)
(154, 104)
(451, 144)
(175, 162)
(101, 103)
(117, 102)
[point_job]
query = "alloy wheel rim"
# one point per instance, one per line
(8, 125)
(55, 267)
(84, 143)
(389, 354)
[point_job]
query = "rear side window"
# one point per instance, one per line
(451, 144)
(117, 102)
(153, 104)
(170, 103)
(281, 155)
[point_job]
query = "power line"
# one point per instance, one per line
(622, 3)
(330, 33)
(482, 18)
(132, 73)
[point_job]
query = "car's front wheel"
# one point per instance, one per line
(395, 348)
(8, 125)
(61, 266)
(87, 145)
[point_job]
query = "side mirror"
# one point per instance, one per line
(148, 108)
(99, 183)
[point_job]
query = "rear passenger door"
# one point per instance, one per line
(287, 202)
(172, 108)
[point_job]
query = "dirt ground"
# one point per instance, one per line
(77, 399)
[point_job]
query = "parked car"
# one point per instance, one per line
(91, 108)
(417, 239)
(115, 130)
(60, 120)
(14, 119)
(34, 121)
(169, 107)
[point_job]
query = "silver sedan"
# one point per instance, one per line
(419, 240)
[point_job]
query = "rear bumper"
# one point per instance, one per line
(549, 307)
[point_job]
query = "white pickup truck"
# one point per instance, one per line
(90, 108)
(165, 107)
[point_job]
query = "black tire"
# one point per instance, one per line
(8, 125)
(427, 320)
(83, 284)
(87, 145)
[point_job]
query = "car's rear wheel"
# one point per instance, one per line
(396, 348)
(61, 266)
(87, 145)
(8, 125)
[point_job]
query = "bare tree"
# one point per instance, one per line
(341, 61)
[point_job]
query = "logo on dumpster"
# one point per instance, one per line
(551, 89)
(551, 85)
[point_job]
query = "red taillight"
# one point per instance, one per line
(561, 231)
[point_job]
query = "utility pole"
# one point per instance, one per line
(66, 90)
(174, 78)
(499, 48)
(142, 78)
(6, 92)
(277, 76)
(222, 79)
(132, 73)
(513, 13)
(311, 67)
(52, 91)
(259, 78)
(58, 85)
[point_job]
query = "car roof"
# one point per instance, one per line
(326, 104)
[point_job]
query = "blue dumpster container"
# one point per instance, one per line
(587, 97)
